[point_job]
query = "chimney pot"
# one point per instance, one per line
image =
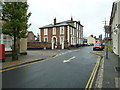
(54, 21)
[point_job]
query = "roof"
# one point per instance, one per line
(63, 23)
(56, 25)
(50, 25)
(31, 32)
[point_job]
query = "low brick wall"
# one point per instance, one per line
(38, 45)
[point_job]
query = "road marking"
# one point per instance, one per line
(33, 62)
(93, 74)
(64, 61)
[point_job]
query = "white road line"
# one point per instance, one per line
(64, 61)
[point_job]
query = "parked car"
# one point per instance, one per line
(85, 44)
(98, 46)
(89, 44)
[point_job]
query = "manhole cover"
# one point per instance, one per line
(117, 69)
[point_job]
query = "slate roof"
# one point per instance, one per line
(64, 23)
(50, 25)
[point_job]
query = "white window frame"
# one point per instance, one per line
(62, 30)
(54, 30)
(45, 38)
(61, 39)
(71, 30)
(45, 31)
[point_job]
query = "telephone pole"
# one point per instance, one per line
(106, 39)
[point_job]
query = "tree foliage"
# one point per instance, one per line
(16, 18)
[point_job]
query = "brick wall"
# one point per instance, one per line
(38, 45)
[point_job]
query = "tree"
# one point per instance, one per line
(38, 36)
(16, 18)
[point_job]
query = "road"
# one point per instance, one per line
(70, 69)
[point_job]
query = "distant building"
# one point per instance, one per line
(62, 34)
(91, 39)
(115, 27)
(31, 37)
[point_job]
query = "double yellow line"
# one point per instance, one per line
(93, 74)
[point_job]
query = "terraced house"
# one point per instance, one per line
(62, 34)
(115, 27)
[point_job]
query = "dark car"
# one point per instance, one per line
(98, 46)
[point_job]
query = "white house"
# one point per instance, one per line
(91, 39)
(115, 26)
(7, 40)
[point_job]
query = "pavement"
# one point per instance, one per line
(109, 72)
(111, 77)
(32, 56)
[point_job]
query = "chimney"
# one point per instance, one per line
(71, 18)
(78, 22)
(54, 21)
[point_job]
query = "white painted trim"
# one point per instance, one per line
(68, 34)
(53, 42)
(44, 39)
(54, 31)
(63, 30)
(63, 39)
(73, 31)
(45, 31)
(52, 39)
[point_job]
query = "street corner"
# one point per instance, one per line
(49, 54)
(97, 52)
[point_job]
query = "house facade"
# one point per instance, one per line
(91, 39)
(31, 37)
(8, 41)
(62, 34)
(115, 27)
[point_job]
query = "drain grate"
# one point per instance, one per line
(117, 69)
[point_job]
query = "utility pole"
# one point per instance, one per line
(106, 39)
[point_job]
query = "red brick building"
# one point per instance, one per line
(62, 34)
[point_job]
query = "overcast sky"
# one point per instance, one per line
(91, 13)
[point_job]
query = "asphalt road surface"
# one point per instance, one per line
(70, 69)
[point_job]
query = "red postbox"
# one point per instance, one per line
(2, 52)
